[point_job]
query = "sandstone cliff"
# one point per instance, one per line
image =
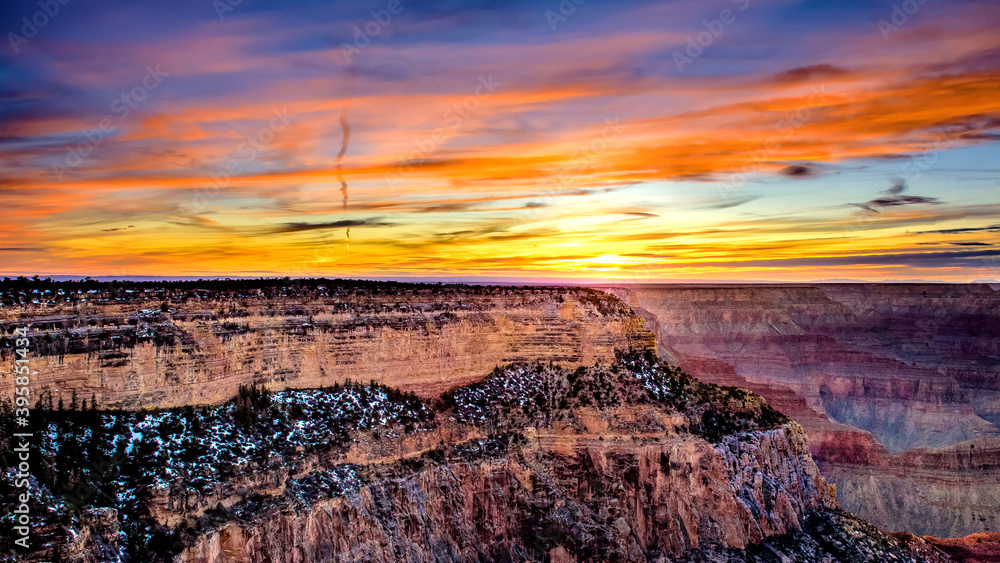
(118, 346)
(584, 497)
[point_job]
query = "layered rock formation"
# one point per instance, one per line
(871, 371)
(939, 490)
(975, 548)
(580, 497)
(158, 348)
(627, 461)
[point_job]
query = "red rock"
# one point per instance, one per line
(974, 548)
(870, 371)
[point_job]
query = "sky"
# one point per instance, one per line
(583, 141)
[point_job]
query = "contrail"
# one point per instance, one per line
(346, 139)
(346, 127)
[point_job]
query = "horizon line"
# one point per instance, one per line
(494, 280)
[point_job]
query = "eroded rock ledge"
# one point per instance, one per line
(144, 346)
(579, 446)
(589, 497)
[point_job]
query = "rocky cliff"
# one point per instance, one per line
(630, 460)
(576, 496)
(156, 346)
(896, 385)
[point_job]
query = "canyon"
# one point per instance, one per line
(339, 420)
(897, 385)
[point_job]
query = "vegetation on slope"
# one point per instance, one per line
(520, 395)
(82, 457)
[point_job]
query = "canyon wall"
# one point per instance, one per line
(144, 351)
(562, 495)
(894, 383)
(626, 461)
(938, 491)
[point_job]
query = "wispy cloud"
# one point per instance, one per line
(895, 198)
(823, 71)
(302, 227)
(964, 230)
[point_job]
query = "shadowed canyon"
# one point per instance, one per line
(897, 385)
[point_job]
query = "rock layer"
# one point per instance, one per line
(418, 338)
(871, 371)
(650, 497)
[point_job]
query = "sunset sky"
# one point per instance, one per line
(738, 140)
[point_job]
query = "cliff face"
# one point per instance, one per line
(128, 354)
(937, 491)
(599, 464)
(631, 461)
(870, 371)
(577, 497)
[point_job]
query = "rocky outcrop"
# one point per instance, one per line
(630, 460)
(974, 548)
(585, 497)
(128, 353)
(98, 538)
(872, 372)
